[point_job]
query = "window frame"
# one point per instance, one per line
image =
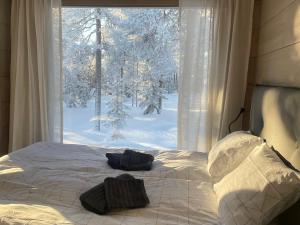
(120, 3)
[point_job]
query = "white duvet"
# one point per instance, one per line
(41, 184)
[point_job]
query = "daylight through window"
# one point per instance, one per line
(120, 77)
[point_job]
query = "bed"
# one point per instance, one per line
(41, 183)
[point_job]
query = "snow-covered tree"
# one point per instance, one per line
(155, 35)
(129, 55)
(78, 66)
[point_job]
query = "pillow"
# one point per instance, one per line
(229, 152)
(258, 190)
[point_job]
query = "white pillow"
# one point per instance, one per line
(259, 189)
(229, 152)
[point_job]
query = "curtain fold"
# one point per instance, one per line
(36, 74)
(215, 49)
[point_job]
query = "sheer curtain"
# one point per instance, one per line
(36, 74)
(215, 49)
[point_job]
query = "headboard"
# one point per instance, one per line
(275, 116)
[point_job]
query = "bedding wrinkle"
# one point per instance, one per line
(49, 178)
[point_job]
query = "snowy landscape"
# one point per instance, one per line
(154, 131)
(120, 77)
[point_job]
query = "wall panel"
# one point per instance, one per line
(276, 60)
(278, 57)
(272, 8)
(252, 62)
(281, 68)
(5, 6)
(281, 31)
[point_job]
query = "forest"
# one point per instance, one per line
(118, 59)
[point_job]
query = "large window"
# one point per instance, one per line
(120, 76)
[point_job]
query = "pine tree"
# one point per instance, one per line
(98, 72)
(129, 55)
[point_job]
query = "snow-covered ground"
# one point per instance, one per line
(140, 131)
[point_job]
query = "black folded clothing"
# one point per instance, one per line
(128, 193)
(94, 200)
(130, 160)
(114, 160)
(123, 191)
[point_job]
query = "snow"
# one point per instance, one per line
(145, 132)
(138, 64)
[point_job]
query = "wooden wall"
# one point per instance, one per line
(4, 73)
(251, 82)
(275, 57)
(278, 56)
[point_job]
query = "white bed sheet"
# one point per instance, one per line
(41, 185)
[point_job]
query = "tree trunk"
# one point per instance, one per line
(136, 85)
(175, 82)
(160, 97)
(133, 85)
(98, 70)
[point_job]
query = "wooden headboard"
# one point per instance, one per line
(275, 116)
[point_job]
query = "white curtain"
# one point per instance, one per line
(36, 74)
(215, 49)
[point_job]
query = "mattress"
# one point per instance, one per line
(41, 185)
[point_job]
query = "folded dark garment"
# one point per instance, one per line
(114, 160)
(134, 161)
(125, 193)
(130, 160)
(94, 200)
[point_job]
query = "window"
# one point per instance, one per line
(120, 76)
